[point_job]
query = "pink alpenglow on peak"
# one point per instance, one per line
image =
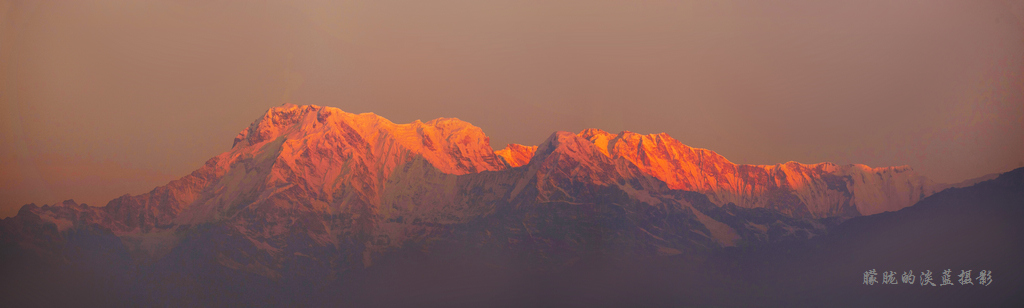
(450, 144)
(516, 155)
(320, 156)
(817, 190)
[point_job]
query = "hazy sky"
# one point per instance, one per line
(99, 99)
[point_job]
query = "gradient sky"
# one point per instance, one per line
(99, 99)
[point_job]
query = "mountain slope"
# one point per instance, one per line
(800, 190)
(516, 155)
(973, 228)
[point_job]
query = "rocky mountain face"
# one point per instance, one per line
(798, 190)
(516, 155)
(310, 193)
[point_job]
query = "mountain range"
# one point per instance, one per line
(312, 196)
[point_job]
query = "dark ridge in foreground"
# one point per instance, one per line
(976, 228)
